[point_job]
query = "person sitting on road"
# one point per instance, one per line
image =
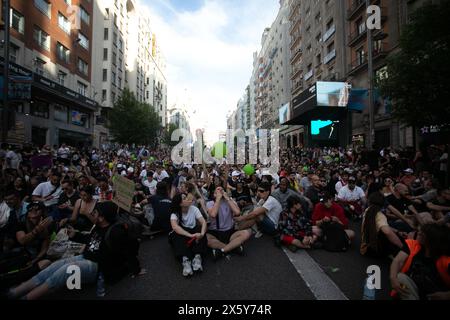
(108, 250)
(296, 230)
(352, 198)
(188, 234)
(315, 192)
(283, 193)
(265, 215)
(328, 211)
(422, 270)
(222, 237)
(400, 210)
(82, 217)
(377, 237)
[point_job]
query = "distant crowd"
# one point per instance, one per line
(59, 207)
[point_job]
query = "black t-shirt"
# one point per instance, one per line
(313, 194)
(399, 204)
(244, 195)
(425, 275)
(161, 208)
(63, 198)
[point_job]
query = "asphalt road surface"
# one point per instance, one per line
(265, 272)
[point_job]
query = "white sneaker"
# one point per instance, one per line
(187, 269)
(197, 263)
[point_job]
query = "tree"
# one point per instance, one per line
(167, 138)
(131, 121)
(418, 75)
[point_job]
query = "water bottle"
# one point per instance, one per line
(369, 294)
(101, 292)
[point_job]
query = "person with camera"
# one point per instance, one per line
(221, 235)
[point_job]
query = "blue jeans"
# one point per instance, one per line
(267, 226)
(55, 276)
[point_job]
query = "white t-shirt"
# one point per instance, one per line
(339, 185)
(160, 177)
(347, 195)
(151, 186)
(13, 160)
(44, 189)
(189, 219)
(63, 153)
(273, 208)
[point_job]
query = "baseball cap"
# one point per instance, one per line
(236, 173)
(409, 170)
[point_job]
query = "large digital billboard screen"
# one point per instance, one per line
(332, 94)
(324, 130)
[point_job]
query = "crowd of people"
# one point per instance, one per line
(58, 208)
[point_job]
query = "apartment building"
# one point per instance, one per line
(51, 71)
(126, 55)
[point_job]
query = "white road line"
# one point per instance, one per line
(315, 278)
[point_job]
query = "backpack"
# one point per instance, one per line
(335, 238)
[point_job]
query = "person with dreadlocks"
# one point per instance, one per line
(377, 237)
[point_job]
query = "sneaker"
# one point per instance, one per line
(258, 234)
(197, 263)
(239, 250)
(187, 268)
(217, 254)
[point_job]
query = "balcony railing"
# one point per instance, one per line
(330, 56)
(356, 36)
(360, 62)
(297, 54)
(354, 8)
(309, 74)
(329, 33)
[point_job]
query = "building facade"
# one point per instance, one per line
(51, 71)
(127, 56)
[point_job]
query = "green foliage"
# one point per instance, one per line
(131, 121)
(418, 76)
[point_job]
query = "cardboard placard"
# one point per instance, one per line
(123, 192)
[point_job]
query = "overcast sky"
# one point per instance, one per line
(208, 46)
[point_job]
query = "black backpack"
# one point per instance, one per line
(132, 225)
(335, 239)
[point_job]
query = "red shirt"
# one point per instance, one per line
(320, 212)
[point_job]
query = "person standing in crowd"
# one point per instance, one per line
(67, 199)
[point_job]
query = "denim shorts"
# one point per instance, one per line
(55, 275)
(267, 226)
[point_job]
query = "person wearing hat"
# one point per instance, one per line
(108, 250)
(408, 177)
(352, 198)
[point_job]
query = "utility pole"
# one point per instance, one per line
(5, 109)
(371, 137)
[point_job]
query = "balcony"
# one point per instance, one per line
(295, 39)
(294, 8)
(329, 33)
(361, 62)
(330, 56)
(309, 74)
(296, 55)
(356, 36)
(295, 72)
(295, 23)
(355, 7)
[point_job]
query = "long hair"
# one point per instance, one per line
(176, 205)
(376, 203)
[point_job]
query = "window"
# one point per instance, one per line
(113, 78)
(318, 18)
(113, 97)
(330, 24)
(79, 118)
(63, 23)
(330, 47)
(62, 77)
(361, 56)
(105, 75)
(120, 44)
(120, 82)
(105, 33)
(83, 41)
(361, 25)
(114, 58)
(62, 52)
(39, 63)
(104, 94)
(105, 54)
(40, 109)
(42, 38)
(115, 19)
(82, 88)
(82, 66)
(61, 113)
(17, 21)
(115, 39)
(43, 6)
(13, 52)
(84, 15)
(120, 63)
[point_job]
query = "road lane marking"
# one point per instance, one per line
(315, 278)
